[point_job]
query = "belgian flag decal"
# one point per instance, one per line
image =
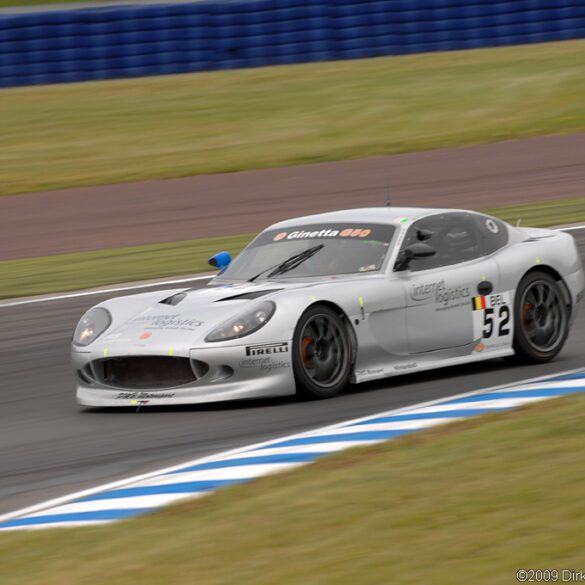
(478, 303)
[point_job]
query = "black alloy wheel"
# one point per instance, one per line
(541, 318)
(321, 353)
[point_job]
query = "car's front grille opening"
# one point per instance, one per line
(222, 373)
(85, 375)
(144, 372)
(200, 368)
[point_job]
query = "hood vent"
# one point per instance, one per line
(250, 295)
(538, 238)
(174, 300)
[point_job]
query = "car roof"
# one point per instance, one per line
(387, 215)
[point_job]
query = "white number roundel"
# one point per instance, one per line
(491, 225)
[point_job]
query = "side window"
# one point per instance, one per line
(493, 232)
(454, 236)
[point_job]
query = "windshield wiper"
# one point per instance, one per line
(290, 263)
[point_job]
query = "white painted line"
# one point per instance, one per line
(323, 448)
(103, 291)
(145, 476)
(238, 472)
(571, 228)
(153, 501)
(61, 525)
(502, 403)
(403, 425)
(542, 385)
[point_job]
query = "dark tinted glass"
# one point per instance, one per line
(494, 233)
(455, 237)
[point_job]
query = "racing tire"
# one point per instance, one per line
(321, 353)
(541, 319)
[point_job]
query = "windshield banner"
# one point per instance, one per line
(351, 231)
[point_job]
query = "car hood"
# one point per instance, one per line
(183, 317)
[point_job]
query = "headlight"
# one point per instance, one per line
(91, 326)
(244, 324)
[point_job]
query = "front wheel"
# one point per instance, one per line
(541, 319)
(321, 353)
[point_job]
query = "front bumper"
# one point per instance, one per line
(232, 375)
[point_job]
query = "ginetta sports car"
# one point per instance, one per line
(318, 302)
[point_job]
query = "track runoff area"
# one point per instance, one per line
(145, 493)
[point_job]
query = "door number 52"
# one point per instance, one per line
(493, 321)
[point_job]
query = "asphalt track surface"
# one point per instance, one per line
(472, 177)
(49, 447)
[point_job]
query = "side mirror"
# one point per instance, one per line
(412, 252)
(221, 260)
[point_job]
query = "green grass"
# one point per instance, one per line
(30, 276)
(471, 502)
(7, 3)
(62, 272)
(542, 214)
(128, 130)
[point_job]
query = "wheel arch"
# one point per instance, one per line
(547, 269)
(346, 320)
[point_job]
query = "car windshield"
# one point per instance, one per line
(315, 250)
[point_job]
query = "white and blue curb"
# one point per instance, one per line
(145, 493)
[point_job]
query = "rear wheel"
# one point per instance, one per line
(321, 353)
(541, 319)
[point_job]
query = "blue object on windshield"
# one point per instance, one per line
(220, 260)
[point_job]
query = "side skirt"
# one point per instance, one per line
(419, 365)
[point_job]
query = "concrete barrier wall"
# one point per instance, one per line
(136, 40)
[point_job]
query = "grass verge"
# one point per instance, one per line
(471, 502)
(12, 3)
(542, 214)
(62, 272)
(148, 128)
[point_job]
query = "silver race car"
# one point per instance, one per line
(318, 302)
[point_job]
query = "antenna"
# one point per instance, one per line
(518, 222)
(388, 198)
